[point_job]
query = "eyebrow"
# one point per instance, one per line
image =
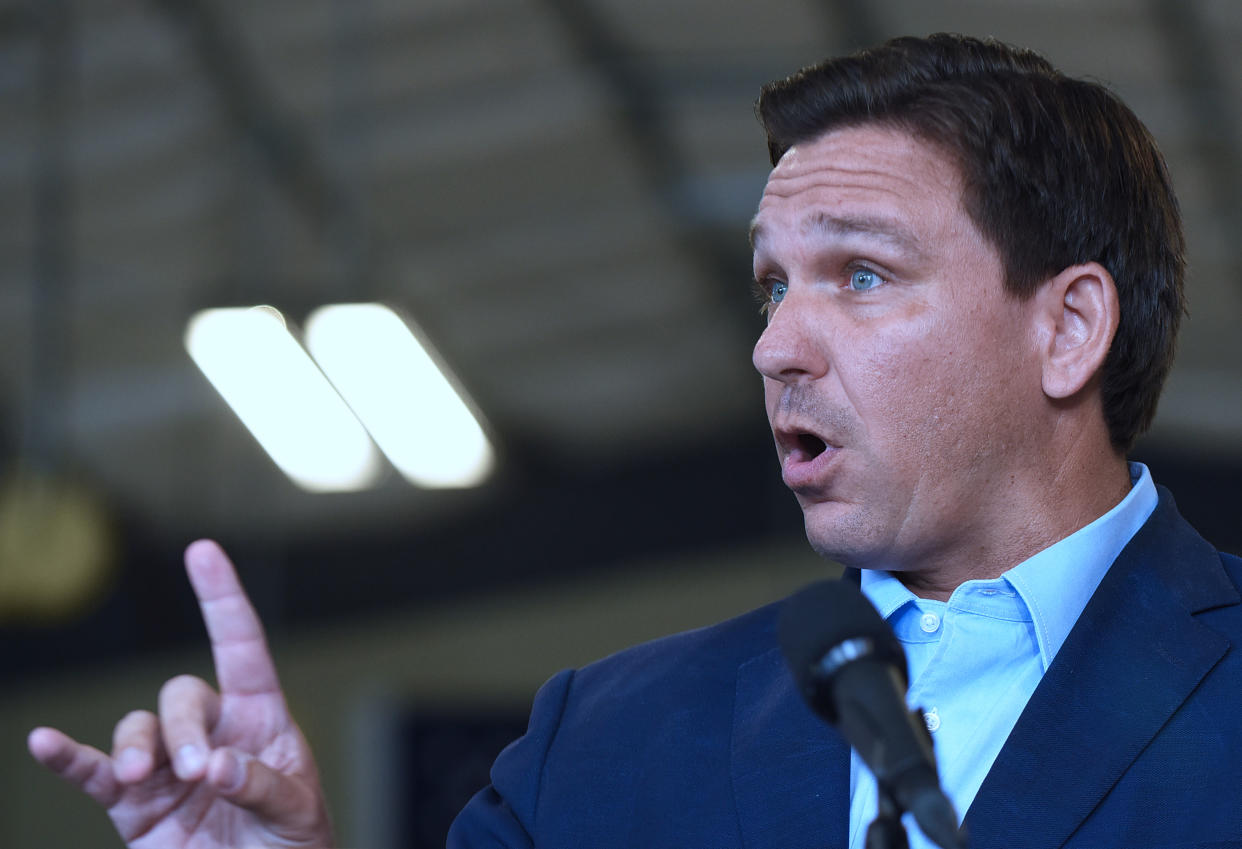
(886, 229)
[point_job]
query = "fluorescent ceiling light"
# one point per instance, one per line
(412, 410)
(282, 398)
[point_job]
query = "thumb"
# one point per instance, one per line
(286, 805)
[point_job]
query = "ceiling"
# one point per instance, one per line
(556, 190)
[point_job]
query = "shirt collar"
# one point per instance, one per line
(1056, 583)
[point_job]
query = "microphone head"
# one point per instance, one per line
(826, 626)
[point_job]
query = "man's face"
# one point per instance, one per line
(899, 376)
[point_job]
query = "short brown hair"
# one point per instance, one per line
(1056, 171)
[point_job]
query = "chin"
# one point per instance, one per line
(842, 535)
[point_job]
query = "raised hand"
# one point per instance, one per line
(226, 770)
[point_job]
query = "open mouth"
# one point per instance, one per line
(806, 459)
(811, 445)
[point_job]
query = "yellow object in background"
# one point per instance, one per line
(57, 549)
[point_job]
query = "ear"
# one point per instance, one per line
(1077, 312)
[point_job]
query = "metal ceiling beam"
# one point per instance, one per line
(18, 21)
(255, 111)
(857, 24)
(1195, 64)
(641, 113)
(43, 428)
(638, 104)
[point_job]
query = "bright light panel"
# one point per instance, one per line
(410, 408)
(282, 398)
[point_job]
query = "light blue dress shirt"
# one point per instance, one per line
(975, 660)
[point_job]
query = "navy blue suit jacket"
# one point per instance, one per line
(698, 741)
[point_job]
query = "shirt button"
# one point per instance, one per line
(932, 718)
(929, 623)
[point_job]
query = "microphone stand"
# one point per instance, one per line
(886, 830)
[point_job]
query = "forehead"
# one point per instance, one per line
(869, 178)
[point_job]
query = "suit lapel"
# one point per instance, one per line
(1130, 662)
(790, 771)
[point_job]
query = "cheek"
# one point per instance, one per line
(963, 400)
(925, 395)
(896, 372)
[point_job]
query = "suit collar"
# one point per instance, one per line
(790, 771)
(1129, 663)
(1075, 739)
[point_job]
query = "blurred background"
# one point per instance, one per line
(556, 194)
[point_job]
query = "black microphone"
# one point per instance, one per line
(851, 670)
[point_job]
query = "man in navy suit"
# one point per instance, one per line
(972, 271)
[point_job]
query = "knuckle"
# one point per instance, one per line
(180, 686)
(136, 718)
(97, 782)
(134, 724)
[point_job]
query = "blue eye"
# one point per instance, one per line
(862, 279)
(778, 292)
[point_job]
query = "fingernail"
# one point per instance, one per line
(189, 759)
(235, 775)
(130, 762)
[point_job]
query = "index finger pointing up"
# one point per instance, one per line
(243, 664)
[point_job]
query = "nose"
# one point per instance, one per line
(791, 348)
